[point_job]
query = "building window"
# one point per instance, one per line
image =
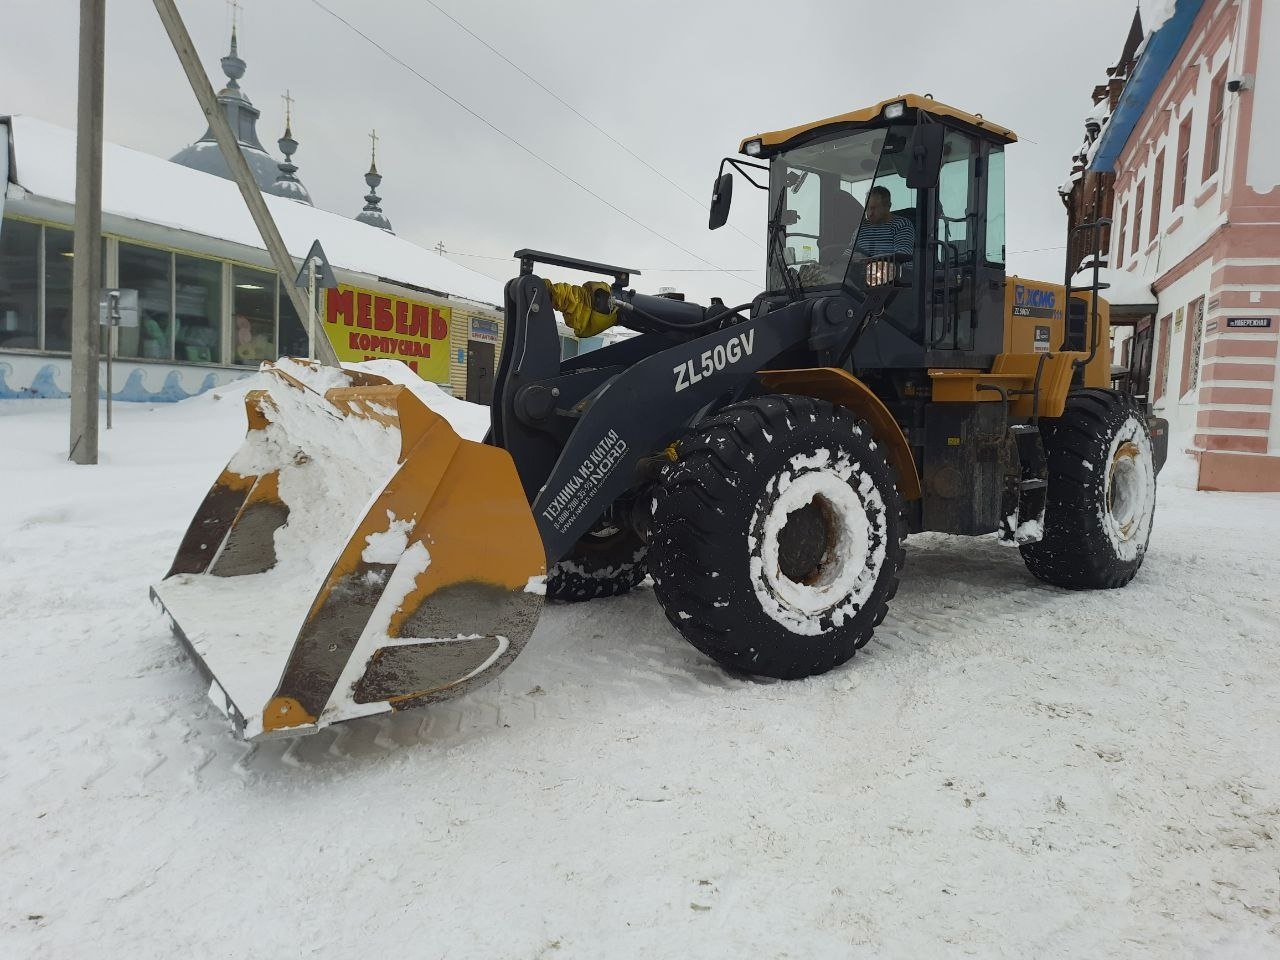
(197, 303)
(294, 341)
(36, 269)
(1157, 196)
(1184, 153)
(1213, 137)
(253, 315)
(150, 272)
(1194, 336)
(58, 263)
(1137, 217)
(1162, 357)
(19, 285)
(1124, 222)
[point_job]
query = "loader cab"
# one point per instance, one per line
(946, 232)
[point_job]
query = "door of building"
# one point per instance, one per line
(479, 372)
(1140, 350)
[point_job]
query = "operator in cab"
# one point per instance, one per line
(873, 232)
(882, 232)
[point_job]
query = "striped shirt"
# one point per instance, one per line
(878, 239)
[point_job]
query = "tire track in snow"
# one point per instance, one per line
(958, 598)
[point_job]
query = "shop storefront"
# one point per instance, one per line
(209, 306)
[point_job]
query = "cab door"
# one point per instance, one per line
(964, 299)
(949, 297)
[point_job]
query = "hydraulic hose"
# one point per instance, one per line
(666, 315)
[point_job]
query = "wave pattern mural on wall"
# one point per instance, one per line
(39, 378)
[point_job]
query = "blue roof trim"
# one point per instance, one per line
(1162, 46)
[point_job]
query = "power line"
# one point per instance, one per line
(1061, 246)
(578, 113)
(485, 256)
(506, 136)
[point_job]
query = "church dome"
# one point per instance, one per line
(242, 115)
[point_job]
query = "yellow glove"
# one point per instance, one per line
(574, 301)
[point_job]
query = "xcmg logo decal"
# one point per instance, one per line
(1024, 296)
(1035, 302)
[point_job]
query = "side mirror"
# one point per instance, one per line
(926, 156)
(721, 199)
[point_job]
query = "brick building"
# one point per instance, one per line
(1192, 146)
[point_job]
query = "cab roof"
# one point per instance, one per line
(912, 101)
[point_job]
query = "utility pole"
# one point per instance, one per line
(239, 167)
(86, 271)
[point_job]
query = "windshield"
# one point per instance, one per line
(841, 198)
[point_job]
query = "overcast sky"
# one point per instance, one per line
(679, 82)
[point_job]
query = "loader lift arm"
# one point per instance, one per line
(578, 433)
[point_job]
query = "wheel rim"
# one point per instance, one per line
(1129, 494)
(821, 549)
(807, 541)
(1126, 493)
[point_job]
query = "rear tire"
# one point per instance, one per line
(604, 563)
(777, 537)
(1102, 494)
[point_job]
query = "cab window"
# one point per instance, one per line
(995, 205)
(954, 184)
(805, 201)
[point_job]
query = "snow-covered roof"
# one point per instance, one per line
(1168, 27)
(149, 189)
(1128, 289)
(1155, 12)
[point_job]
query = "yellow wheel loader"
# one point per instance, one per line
(763, 462)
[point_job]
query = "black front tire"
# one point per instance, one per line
(778, 537)
(605, 563)
(1102, 493)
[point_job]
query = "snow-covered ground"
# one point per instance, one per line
(1008, 770)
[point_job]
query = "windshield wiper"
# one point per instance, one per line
(777, 250)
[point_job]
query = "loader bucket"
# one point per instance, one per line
(355, 556)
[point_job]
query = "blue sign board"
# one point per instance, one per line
(484, 329)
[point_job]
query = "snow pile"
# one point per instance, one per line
(470, 420)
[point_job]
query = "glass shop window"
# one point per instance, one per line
(197, 303)
(253, 316)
